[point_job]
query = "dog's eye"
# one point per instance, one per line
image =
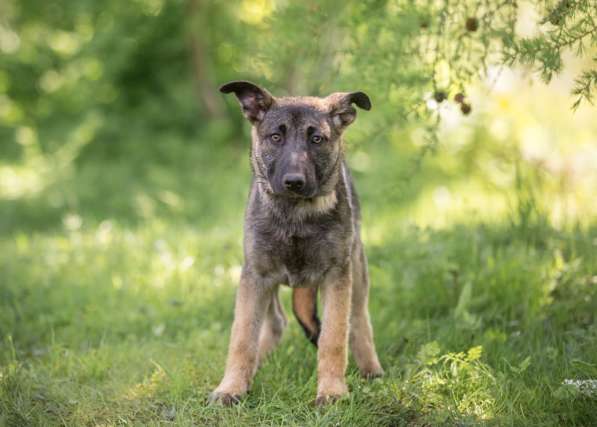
(276, 137)
(316, 139)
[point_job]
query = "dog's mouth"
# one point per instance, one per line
(271, 189)
(298, 196)
(306, 194)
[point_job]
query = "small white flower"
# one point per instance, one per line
(158, 330)
(588, 387)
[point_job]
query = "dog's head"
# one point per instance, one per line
(296, 140)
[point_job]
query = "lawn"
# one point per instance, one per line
(117, 287)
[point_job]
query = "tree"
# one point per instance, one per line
(154, 66)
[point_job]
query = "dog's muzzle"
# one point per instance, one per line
(294, 182)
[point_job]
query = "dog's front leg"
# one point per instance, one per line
(251, 302)
(333, 341)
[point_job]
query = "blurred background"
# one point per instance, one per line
(111, 110)
(124, 173)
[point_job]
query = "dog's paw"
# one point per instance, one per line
(371, 374)
(328, 399)
(224, 399)
(330, 391)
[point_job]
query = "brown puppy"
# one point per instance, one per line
(302, 229)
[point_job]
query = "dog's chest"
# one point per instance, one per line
(301, 261)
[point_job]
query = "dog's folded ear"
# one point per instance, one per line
(341, 109)
(254, 101)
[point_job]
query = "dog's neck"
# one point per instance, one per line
(298, 209)
(295, 209)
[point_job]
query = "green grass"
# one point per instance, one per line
(117, 287)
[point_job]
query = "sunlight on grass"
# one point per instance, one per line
(149, 386)
(449, 383)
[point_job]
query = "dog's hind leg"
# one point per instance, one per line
(361, 332)
(273, 326)
(304, 306)
(252, 300)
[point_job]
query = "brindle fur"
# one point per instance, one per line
(302, 229)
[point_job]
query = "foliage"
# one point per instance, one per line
(152, 66)
(566, 24)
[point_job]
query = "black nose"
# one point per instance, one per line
(294, 181)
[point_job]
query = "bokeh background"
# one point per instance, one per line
(124, 173)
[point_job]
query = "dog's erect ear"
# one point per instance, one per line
(341, 109)
(254, 100)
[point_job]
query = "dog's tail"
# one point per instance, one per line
(304, 306)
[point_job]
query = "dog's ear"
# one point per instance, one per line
(341, 109)
(254, 101)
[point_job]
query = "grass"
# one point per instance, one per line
(117, 285)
